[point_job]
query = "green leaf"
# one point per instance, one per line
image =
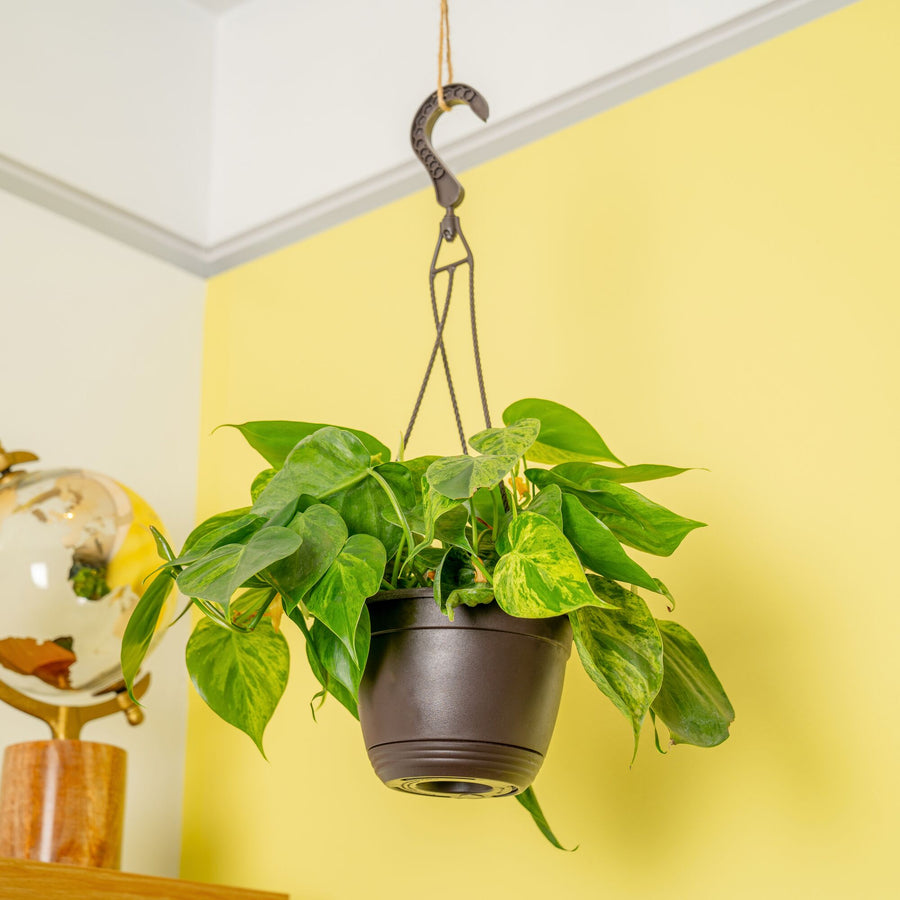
(565, 436)
(589, 475)
(621, 650)
(538, 574)
(367, 509)
(338, 599)
(515, 440)
(260, 483)
(548, 503)
(598, 548)
(454, 571)
(529, 800)
(322, 465)
(691, 700)
(473, 595)
(333, 666)
(163, 548)
(232, 527)
(458, 477)
(240, 677)
(142, 626)
(222, 571)
(323, 534)
(276, 439)
(633, 518)
(416, 468)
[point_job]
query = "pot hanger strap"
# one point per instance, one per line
(450, 194)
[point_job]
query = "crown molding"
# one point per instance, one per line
(490, 141)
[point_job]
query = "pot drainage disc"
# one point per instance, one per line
(453, 786)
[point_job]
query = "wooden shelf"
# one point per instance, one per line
(21, 880)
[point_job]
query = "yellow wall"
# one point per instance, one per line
(710, 273)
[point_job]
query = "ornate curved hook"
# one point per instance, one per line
(449, 191)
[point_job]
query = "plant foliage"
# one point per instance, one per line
(332, 520)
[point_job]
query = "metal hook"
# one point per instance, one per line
(450, 192)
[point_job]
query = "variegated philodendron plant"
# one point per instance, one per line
(536, 521)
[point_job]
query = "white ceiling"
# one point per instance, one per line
(208, 140)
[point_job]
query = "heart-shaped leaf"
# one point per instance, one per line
(633, 518)
(322, 465)
(338, 599)
(323, 533)
(621, 650)
(564, 436)
(598, 548)
(276, 439)
(367, 509)
(454, 571)
(514, 440)
(691, 701)
(232, 527)
(458, 477)
(538, 574)
(222, 571)
(241, 677)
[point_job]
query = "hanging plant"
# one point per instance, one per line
(439, 596)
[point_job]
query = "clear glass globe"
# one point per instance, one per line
(75, 548)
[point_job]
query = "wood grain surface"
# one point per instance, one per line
(63, 801)
(23, 880)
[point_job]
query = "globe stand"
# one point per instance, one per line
(63, 800)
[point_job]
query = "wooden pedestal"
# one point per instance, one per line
(63, 802)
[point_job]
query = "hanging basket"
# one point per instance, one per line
(463, 708)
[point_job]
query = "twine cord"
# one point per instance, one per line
(444, 44)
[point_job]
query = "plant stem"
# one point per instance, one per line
(407, 533)
(474, 525)
(483, 569)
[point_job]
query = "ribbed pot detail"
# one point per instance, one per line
(463, 708)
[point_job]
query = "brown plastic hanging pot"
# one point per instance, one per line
(463, 708)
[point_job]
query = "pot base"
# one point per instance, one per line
(448, 768)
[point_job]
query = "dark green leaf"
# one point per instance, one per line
(597, 547)
(333, 666)
(338, 599)
(222, 571)
(515, 440)
(260, 483)
(241, 677)
(323, 533)
(691, 700)
(458, 477)
(538, 574)
(631, 517)
(529, 800)
(454, 571)
(367, 509)
(142, 626)
(322, 465)
(588, 475)
(276, 439)
(621, 650)
(565, 436)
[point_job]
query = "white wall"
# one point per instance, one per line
(100, 352)
(113, 98)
